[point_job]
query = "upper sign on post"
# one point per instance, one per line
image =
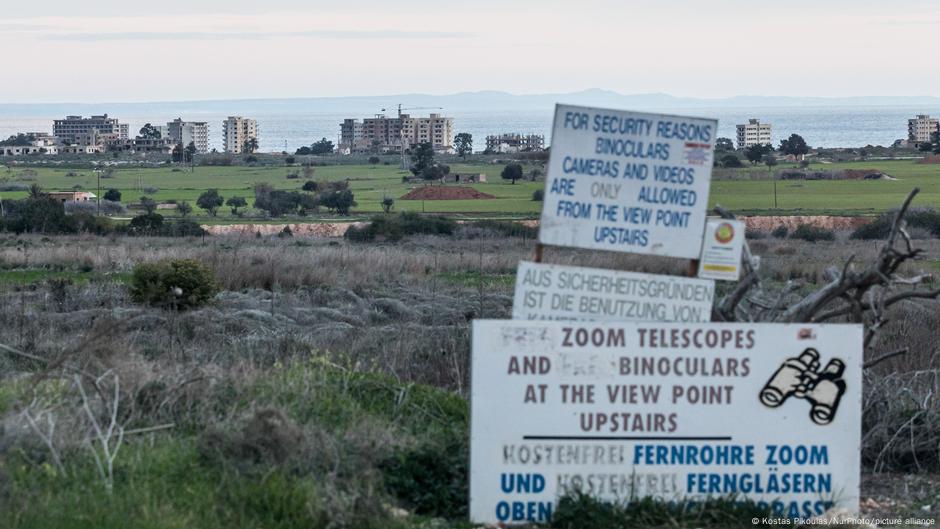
(628, 181)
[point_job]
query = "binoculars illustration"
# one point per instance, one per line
(799, 377)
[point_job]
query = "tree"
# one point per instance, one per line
(338, 201)
(324, 146)
(422, 156)
(755, 153)
(435, 172)
(463, 144)
(18, 140)
(210, 200)
(251, 145)
(149, 204)
(311, 186)
(150, 132)
(190, 151)
(112, 195)
(290, 160)
(374, 160)
(795, 145)
(724, 144)
(235, 203)
(387, 204)
(730, 160)
(184, 208)
(183, 154)
(512, 172)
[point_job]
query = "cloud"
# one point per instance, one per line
(256, 35)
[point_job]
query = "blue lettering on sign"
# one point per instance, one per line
(522, 483)
(684, 131)
(674, 175)
(614, 124)
(590, 166)
(576, 120)
(631, 148)
(667, 195)
(562, 186)
(621, 236)
(575, 210)
(636, 171)
(523, 511)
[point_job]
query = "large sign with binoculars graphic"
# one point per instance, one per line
(673, 411)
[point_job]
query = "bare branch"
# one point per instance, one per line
(875, 361)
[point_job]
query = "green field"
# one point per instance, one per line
(748, 191)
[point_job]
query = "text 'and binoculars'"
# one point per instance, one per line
(799, 377)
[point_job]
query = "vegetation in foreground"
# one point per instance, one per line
(325, 384)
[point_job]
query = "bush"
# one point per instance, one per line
(431, 478)
(780, 232)
(810, 233)
(173, 284)
(924, 218)
(730, 160)
(503, 228)
(538, 195)
(393, 228)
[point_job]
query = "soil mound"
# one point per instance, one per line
(445, 193)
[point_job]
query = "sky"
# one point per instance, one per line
(173, 50)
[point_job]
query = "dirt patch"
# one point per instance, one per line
(445, 193)
(324, 229)
(929, 159)
(819, 221)
(865, 174)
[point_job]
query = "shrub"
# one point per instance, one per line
(924, 218)
(310, 185)
(113, 195)
(431, 478)
(374, 160)
(730, 160)
(393, 228)
(780, 232)
(503, 228)
(810, 233)
(538, 195)
(173, 284)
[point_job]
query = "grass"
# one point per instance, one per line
(750, 193)
(30, 276)
(831, 197)
(369, 183)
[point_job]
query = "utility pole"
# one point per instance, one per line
(98, 174)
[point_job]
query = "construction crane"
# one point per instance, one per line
(401, 130)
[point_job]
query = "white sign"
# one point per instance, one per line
(767, 412)
(556, 292)
(627, 181)
(721, 251)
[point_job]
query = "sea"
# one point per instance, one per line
(287, 130)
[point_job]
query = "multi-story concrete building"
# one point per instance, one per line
(74, 129)
(237, 130)
(186, 132)
(512, 142)
(383, 134)
(40, 143)
(139, 144)
(920, 129)
(753, 133)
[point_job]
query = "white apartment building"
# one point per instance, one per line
(73, 130)
(383, 133)
(42, 143)
(921, 128)
(753, 133)
(236, 130)
(186, 132)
